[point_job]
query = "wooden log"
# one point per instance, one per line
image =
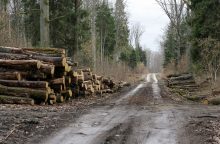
(58, 81)
(10, 76)
(60, 99)
(53, 52)
(46, 50)
(57, 88)
(94, 77)
(38, 95)
(15, 100)
(57, 61)
(182, 77)
(87, 76)
(68, 80)
(100, 78)
(11, 50)
(21, 64)
(67, 93)
(86, 70)
(214, 101)
(181, 82)
(52, 99)
(80, 78)
(11, 56)
(47, 69)
(37, 75)
(26, 84)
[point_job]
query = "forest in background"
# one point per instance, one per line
(94, 32)
(191, 42)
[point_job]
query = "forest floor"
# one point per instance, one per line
(142, 113)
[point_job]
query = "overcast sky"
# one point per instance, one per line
(151, 17)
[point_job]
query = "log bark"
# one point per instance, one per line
(26, 84)
(67, 93)
(214, 101)
(46, 50)
(11, 50)
(10, 76)
(38, 95)
(21, 64)
(47, 69)
(57, 61)
(52, 52)
(182, 77)
(34, 76)
(52, 99)
(60, 99)
(15, 100)
(57, 81)
(181, 82)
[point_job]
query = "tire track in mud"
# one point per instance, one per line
(139, 117)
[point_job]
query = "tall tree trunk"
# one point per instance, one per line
(93, 31)
(44, 23)
(76, 30)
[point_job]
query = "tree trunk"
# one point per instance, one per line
(38, 95)
(15, 100)
(10, 76)
(21, 64)
(25, 84)
(44, 23)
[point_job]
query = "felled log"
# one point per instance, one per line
(60, 99)
(87, 76)
(91, 89)
(26, 84)
(214, 101)
(38, 95)
(57, 61)
(58, 81)
(37, 75)
(99, 78)
(94, 77)
(182, 77)
(86, 70)
(21, 64)
(10, 76)
(47, 69)
(15, 100)
(11, 50)
(67, 93)
(182, 82)
(46, 50)
(53, 52)
(52, 99)
(57, 88)
(80, 78)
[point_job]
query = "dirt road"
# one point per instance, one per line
(144, 115)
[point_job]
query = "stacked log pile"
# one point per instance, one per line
(88, 83)
(182, 81)
(45, 75)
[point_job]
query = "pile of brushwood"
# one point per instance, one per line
(46, 76)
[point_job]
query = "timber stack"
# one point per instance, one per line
(45, 75)
(184, 81)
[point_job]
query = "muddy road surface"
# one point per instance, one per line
(143, 115)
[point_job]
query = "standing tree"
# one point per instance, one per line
(175, 10)
(122, 31)
(44, 23)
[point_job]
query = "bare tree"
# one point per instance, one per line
(211, 56)
(135, 35)
(175, 10)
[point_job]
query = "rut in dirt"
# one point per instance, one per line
(142, 116)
